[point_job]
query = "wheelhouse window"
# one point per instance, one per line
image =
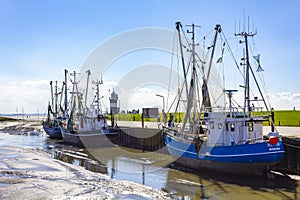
(250, 126)
(212, 124)
(232, 127)
(220, 125)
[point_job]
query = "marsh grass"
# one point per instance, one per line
(282, 117)
(7, 119)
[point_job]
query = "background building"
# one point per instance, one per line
(150, 112)
(114, 109)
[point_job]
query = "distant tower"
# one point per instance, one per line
(114, 103)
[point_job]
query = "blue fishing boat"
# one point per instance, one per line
(218, 133)
(52, 129)
(56, 116)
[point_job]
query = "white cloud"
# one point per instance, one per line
(29, 96)
(285, 100)
(34, 95)
(276, 100)
(140, 97)
(146, 98)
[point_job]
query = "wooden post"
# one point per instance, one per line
(142, 120)
(273, 120)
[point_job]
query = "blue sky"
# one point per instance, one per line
(39, 39)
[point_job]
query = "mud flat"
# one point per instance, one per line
(33, 174)
(29, 126)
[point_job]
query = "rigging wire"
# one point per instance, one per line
(260, 74)
(240, 70)
(185, 36)
(179, 93)
(237, 104)
(228, 47)
(198, 94)
(170, 74)
(222, 70)
(252, 54)
(208, 34)
(178, 75)
(179, 96)
(230, 51)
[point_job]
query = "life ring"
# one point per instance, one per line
(273, 140)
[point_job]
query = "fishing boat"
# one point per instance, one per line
(56, 116)
(87, 125)
(217, 133)
(51, 127)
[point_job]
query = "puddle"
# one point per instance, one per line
(79, 159)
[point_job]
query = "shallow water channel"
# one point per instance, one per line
(157, 170)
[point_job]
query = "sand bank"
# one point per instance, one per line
(33, 174)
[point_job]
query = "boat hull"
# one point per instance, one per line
(53, 132)
(90, 139)
(245, 158)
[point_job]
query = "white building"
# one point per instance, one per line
(114, 109)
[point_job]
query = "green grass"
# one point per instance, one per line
(282, 117)
(6, 119)
(127, 117)
(287, 118)
(138, 117)
(132, 117)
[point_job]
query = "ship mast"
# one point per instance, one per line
(190, 100)
(56, 98)
(52, 98)
(75, 93)
(60, 99)
(97, 101)
(247, 106)
(66, 94)
(178, 26)
(218, 30)
(206, 103)
(87, 86)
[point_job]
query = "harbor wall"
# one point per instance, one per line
(291, 161)
(148, 139)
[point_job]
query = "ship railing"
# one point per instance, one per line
(215, 109)
(235, 111)
(185, 134)
(170, 130)
(214, 144)
(251, 141)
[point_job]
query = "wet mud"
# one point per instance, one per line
(33, 174)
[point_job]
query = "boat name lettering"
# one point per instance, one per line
(273, 145)
(274, 148)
